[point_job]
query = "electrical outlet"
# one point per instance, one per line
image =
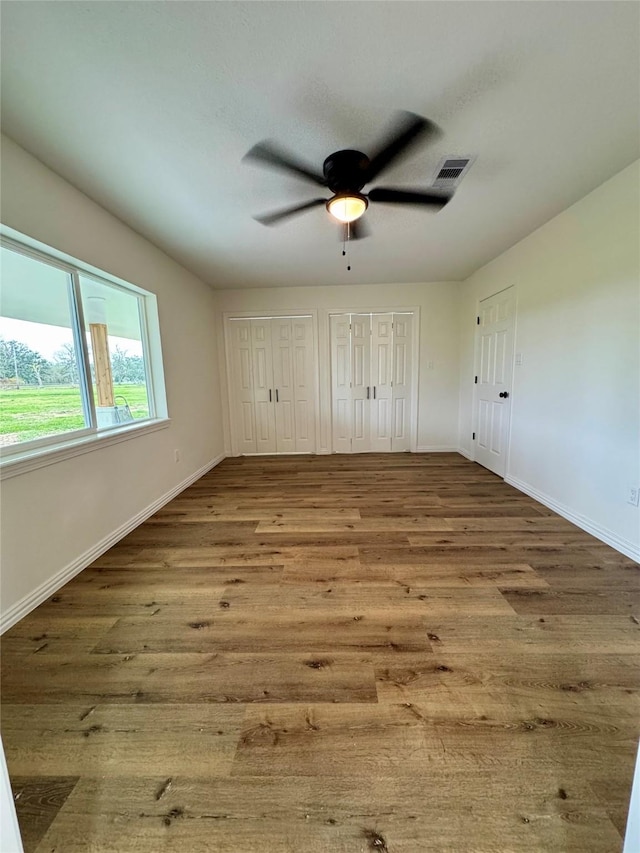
(634, 496)
(176, 453)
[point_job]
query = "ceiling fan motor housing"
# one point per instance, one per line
(346, 171)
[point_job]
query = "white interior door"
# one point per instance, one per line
(361, 391)
(402, 412)
(340, 382)
(304, 386)
(272, 384)
(241, 386)
(263, 388)
(380, 402)
(495, 332)
(283, 391)
(372, 382)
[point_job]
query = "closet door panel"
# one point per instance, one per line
(361, 382)
(341, 409)
(263, 388)
(381, 376)
(283, 396)
(372, 374)
(241, 386)
(304, 385)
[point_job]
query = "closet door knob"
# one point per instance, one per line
(277, 398)
(503, 394)
(269, 394)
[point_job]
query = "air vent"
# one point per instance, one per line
(450, 171)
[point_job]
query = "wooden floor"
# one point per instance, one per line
(385, 653)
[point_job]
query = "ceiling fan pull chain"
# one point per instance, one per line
(348, 239)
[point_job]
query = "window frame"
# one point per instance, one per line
(28, 455)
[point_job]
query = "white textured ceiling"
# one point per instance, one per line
(148, 107)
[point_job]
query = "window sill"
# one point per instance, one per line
(31, 460)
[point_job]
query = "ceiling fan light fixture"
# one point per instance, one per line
(347, 207)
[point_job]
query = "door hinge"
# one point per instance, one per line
(475, 381)
(477, 321)
(473, 436)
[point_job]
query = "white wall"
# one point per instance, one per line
(53, 516)
(438, 304)
(575, 437)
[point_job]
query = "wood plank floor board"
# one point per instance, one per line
(248, 553)
(285, 515)
(568, 672)
(614, 793)
(392, 652)
(257, 631)
(573, 602)
(461, 552)
(430, 575)
(422, 576)
(177, 533)
(574, 634)
(337, 740)
(48, 631)
(38, 801)
(411, 525)
(137, 739)
(111, 601)
(179, 581)
(537, 810)
(524, 540)
(193, 678)
(588, 575)
(493, 512)
(366, 600)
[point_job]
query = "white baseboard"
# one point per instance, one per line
(436, 448)
(41, 593)
(625, 546)
(466, 454)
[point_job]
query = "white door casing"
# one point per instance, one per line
(494, 370)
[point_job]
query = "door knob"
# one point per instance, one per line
(503, 394)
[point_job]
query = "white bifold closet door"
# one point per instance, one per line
(272, 385)
(371, 382)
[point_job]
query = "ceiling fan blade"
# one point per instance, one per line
(408, 128)
(400, 196)
(268, 154)
(286, 212)
(356, 230)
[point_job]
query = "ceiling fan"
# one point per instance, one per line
(346, 172)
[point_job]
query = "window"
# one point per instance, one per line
(77, 358)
